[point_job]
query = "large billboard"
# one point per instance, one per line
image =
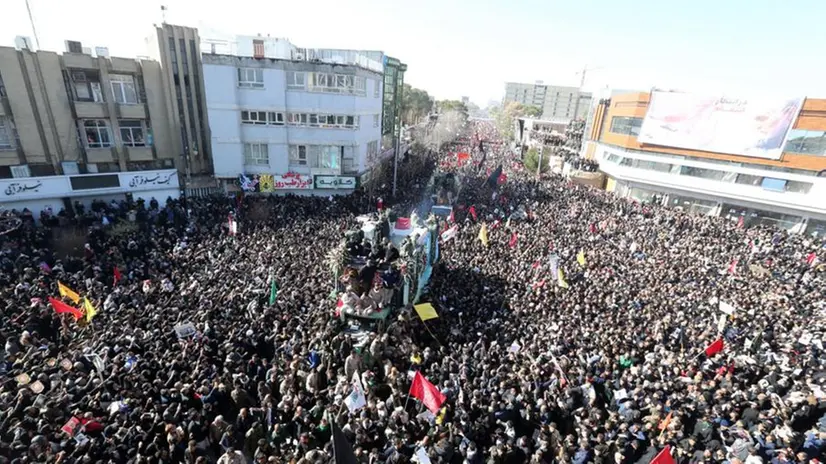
(754, 128)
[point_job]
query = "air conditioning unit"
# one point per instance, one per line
(20, 171)
(23, 43)
(87, 51)
(73, 46)
(102, 52)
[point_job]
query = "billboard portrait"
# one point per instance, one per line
(756, 128)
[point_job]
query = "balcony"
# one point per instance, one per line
(132, 111)
(90, 110)
(138, 153)
(100, 155)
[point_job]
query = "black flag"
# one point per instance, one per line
(342, 451)
(493, 180)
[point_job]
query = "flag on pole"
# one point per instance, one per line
(342, 451)
(426, 311)
(273, 291)
(67, 292)
(427, 393)
(356, 399)
(452, 217)
(450, 233)
(664, 456)
(472, 211)
(483, 234)
(732, 268)
(580, 258)
(90, 309)
(811, 258)
(560, 279)
(664, 424)
(512, 242)
(61, 307)
(118, 277)
(714, 348)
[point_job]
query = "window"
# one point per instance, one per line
(372, 150)
(123, 88)
(796, 186)
(258, 48)
(296, 80)
(806, 142)
(748, 179)
(256, 154)
(251, 78)
(276, 119)
(86, 86)
(376, 87)
(254, 117)
(97, 133)
(323, 120)
(376, 119)
(626, 125)
(702, 173)
(776, 185)
(298, 155)
(348, 162)
(5, 134)
(131, 133)
(334, 83)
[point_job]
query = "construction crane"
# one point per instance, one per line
(584, 73)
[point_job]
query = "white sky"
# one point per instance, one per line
(463, 47)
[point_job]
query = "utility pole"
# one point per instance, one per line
(398, 129)
(31, 21)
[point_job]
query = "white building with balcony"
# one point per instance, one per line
(289, 119)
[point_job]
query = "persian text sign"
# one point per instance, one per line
(273, 182)
(335, 182)
(754, 128)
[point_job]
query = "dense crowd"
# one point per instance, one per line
(579, 334)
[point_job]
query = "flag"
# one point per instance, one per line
(553, 261)
(811, 258)
(560, 279)
(342, 451)
(452, 217)
(512, 242)
(67, 292)
(356, 399)
(714, 348)
(450, 233)
(663, 457)
(61, 307)
(741, 222)
(483, 234)
(427, 393)
(493, 180)
(732, 268)
(233, 225)
(44, 266)
(273, 292)
(90, 309)
(501, 179)
(472, 211)
(580, 258)
(118, 276)
(426, 311)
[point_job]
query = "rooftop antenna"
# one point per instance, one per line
(163, 12)
(31, 20)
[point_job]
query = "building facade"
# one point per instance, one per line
(78, 125)
(296, 125)
(177, 50)
(787, 190)
(558, 103)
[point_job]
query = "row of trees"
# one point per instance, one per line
(504, 116)
(416, 105)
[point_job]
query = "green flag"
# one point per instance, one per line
(273, 292)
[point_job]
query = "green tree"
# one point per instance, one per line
(416, 105)
(452, 105)
(506, 115)
(531, 161)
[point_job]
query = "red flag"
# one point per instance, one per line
(741, 222)
(118, 276)
(535, 264)
(714, 348)
(472, 212)
(502, 179)
(512, 242)
(427, 393)
(664, 456)
(452, 217)
(61, 307)
(593, 228)
(732, 268)
(810, 258)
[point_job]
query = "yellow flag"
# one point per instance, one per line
(580, 258)
(483, 234)
(67, 292)
(90, 309)
(560, 278)
(426, 311)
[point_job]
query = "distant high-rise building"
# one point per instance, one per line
(558, 103)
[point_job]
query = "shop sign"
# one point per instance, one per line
(335, 182)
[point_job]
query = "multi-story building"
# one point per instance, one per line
(79, 126)
(177, 50)
(558, 103)
(750, 161)
(291, 124)
(316, 112)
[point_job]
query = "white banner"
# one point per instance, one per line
(755, 128)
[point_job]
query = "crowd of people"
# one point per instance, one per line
(589, 329)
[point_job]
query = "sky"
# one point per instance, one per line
(455, 48)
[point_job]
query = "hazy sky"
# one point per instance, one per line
(472, 47)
